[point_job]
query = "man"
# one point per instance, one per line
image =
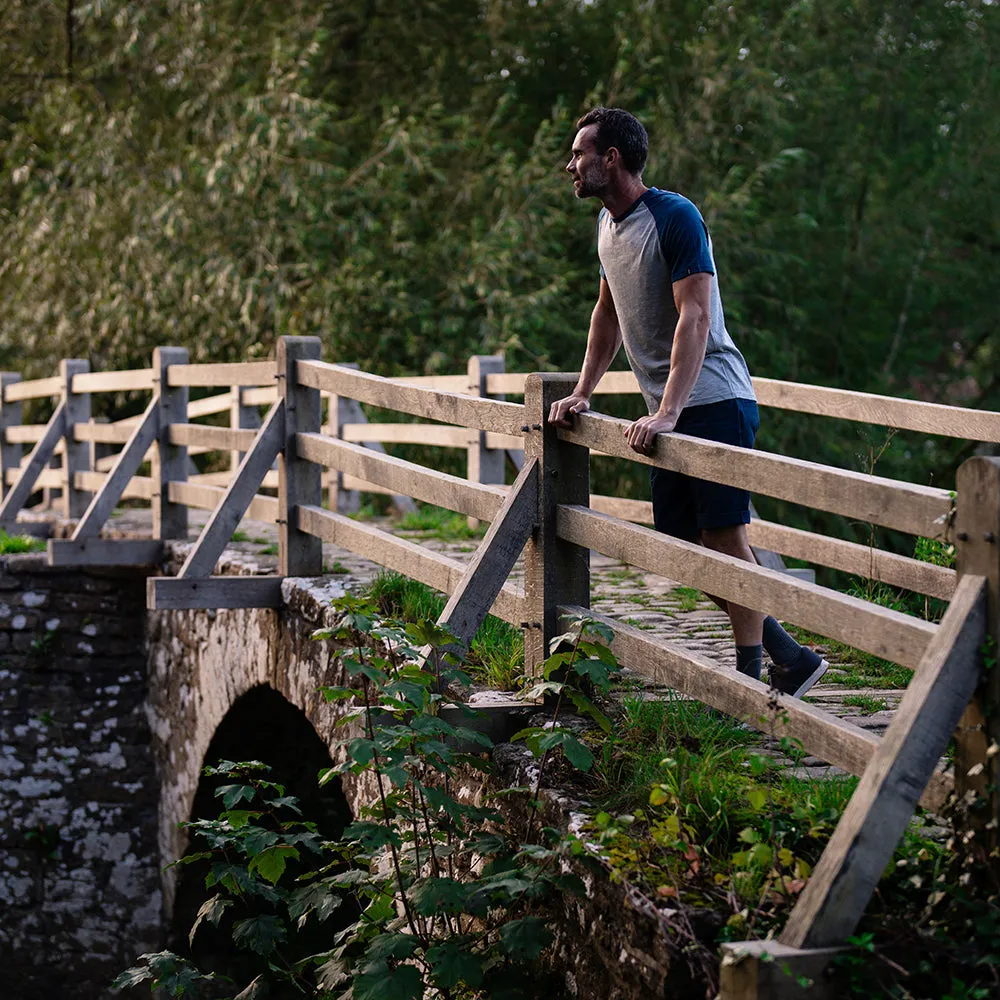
(659, 294)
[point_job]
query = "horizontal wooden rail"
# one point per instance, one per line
(432, 434)
(449, 383)
(820, 550)
(212, 438)
(24, 434)
(270, 480)
(240, 373)
(846, 404)
(446, 407)
(134, 380)
(695, 676)
(204, 497)
(138, 487)
(403, 477)
(116, 433)
(219, 403)
(35, 389)
(859, 560)
(260, 397)
(889, 634)
(887, 411)
(45, 480)
(403, 556)
(919, 510)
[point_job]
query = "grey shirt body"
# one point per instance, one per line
(659, 240)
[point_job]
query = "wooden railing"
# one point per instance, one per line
(550, 515)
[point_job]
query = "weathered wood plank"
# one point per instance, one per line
(28, 476)
(450, 383)
(403, 556)
(134, 380)
(169, 461)
(33, 389)
(237, 498)
(204, 497)
(770, 970)
(483, 580)
(612, 383)
(432, 434)
(215, 375)
(850, 867)
(508, 442)
(49, 478)
(137, 488)
(11, 452)
(174, 594)
(887, 411)
(696, 676)
(116, 433)
(919, 510)
(556, 569)
(260, 397)
(886, 633)
(403, 477)
(300, 480)
(447, 407)
(211, 438)
(24, 433)
(224, 478)
(105, 552)
(210, 405)
(129, 460)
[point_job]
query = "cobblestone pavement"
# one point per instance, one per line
(653, 603)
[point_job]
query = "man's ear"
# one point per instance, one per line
(613, 156)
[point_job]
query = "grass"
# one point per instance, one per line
(240, 536)
(12, 544)
(866, 703)
(437, 522)
(496, 654)
(861, 669)
(688, 596)
(336, 567)
(269, 550)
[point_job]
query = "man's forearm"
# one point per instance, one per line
(686, 359)
(603, 342)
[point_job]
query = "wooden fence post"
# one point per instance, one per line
(241, 417)
(485, 465)
(170, 461)
(10, 416)
(555, 572)
(299, 480)
(76, 454)
(977, 549)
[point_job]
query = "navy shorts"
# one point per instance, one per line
(682, 505)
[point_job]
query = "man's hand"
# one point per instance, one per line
(562, 411)
(641, 434)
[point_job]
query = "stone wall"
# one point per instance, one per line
(79, 870)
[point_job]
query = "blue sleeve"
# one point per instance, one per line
(684, 240)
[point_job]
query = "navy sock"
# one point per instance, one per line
(749, 659)
(783, 649)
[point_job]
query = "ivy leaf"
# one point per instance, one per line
(260, 934)
(452, 965)
(211, 910)
(525, 939)
(270, 863)
(382, 983)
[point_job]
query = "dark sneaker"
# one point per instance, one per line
(796, 679)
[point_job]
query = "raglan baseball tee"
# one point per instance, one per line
(659, 240)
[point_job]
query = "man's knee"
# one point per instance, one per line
(731, 540)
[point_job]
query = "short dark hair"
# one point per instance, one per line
(617, 127)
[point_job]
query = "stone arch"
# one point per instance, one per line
(260, 725)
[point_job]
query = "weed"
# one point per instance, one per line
(438, 522)
(269, 550)
(12, 544)
(259, 540)
(861, 669)
(240, 536)
(337, 567)
(868, 704)
(688, 596)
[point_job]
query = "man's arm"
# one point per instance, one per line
(692, 296)
(603, 341)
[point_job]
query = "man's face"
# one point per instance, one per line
(588, 168)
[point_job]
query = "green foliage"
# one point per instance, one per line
(442, 901)
(12, 544)
(438, 522)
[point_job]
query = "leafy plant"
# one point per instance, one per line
(12, 544)
(443, 902)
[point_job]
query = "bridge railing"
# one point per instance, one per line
(549, 514)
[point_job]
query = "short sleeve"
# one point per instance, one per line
(684, 241)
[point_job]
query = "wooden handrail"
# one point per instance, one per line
(215, 375)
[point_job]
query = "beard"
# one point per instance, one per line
(593, 183)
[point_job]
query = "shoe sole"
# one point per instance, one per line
(809, 681)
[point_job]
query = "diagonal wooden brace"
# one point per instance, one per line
(493, 561)
(37, 461)
(131, 457)
(238, 497)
